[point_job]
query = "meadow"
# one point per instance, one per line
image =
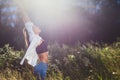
(90, 61)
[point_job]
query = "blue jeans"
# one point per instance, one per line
(40, 70)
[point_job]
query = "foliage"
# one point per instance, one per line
(90, 61)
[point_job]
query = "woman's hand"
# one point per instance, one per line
(24, 14)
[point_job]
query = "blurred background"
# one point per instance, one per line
(62, 21)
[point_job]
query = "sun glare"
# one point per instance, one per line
(51, 12)
(61, 15)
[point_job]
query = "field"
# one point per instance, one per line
(90, 61)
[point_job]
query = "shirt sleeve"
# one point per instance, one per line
(28, 26)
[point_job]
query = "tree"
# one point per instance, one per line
(10, 25)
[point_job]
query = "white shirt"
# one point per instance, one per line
(34, 39)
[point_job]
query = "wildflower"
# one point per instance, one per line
(113, 72)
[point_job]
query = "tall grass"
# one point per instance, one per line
(90, 61)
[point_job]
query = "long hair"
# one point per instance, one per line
(26, 37)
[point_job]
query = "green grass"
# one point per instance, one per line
(90, 61)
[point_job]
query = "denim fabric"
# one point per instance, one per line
(40, 70)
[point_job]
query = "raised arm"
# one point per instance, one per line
(25, 16)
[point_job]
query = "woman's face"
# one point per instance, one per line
(36, 30)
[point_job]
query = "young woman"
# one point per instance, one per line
(37, 52)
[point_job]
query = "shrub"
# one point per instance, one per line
(90, 61)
